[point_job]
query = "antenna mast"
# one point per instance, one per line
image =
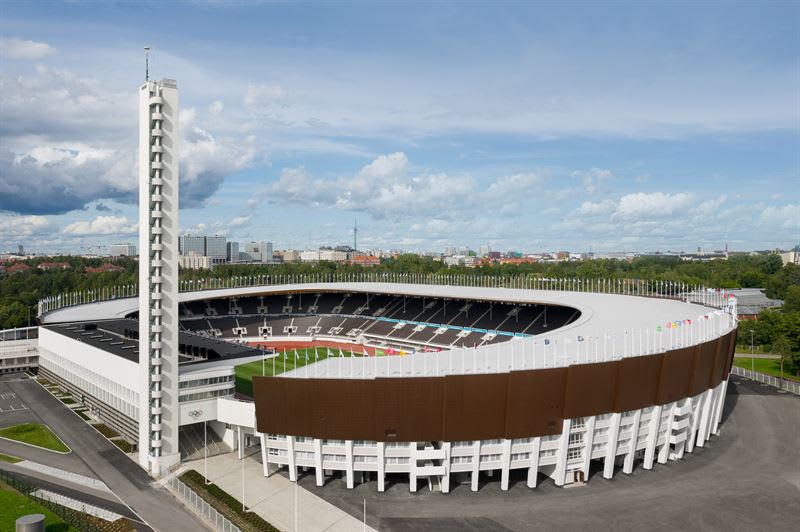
(147, 63)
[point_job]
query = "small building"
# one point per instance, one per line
(17, 268)
(105, 268)
(53, 266)
(365, 260)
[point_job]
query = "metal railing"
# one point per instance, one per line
(189, 497)
(710, 297)
(777, 382)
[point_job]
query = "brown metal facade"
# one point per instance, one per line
(480, 407)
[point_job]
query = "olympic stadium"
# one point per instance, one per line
(544, 376)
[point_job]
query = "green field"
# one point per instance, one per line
(276, 366)
(10, 459)
(14, 505)
(35, 434)
(769, 366)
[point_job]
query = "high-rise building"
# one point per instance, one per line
(232, 252)
(484, 250)
(216, 248)
(158, 276)
(192, 245)
(259, 252)
(123, 250)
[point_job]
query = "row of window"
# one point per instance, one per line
(205, 382)
(205, 395)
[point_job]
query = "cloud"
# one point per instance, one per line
(12, 227)
(589, 208)
(14, 48)
(785, 216)
(102, 225)
(264, 95)
(656, 204)
(709, 207)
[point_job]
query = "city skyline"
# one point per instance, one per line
(660, 130)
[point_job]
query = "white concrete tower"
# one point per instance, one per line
(158, 276)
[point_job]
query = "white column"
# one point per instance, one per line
(560, 472)
(533, 470)
(627, 466)
(381, 466)
(663, 453)
(705, 417)
(348, 460)
(698, 407)
(652, 437)
(448, 456)
(412, 467)
(320, 475)
(505, 460)
(720, 406)
(589, 443)
(264, 464)
(240, 442)
(290, 456)
(611, 446)
(476, 462)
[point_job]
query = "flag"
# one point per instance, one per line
(391, 351)
(341, 354)
(658, 329)
(365, 351)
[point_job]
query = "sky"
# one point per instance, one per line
(536, 126)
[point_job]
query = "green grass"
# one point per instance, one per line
(10, 459)
(123, 445)
(35, 434)
(14, 505)
(68, 400)
(246, 372)
(769, 366)
(106, 431)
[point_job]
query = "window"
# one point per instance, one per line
(521, 440)
(303, 455)
(520, 456)
(365, 459)
(462, 444)
(205, 395)
(492, 442)
(575, 454)
(205, 382)
(547, 452)
(333, 458)
(490, 458)
(579, 423)
(576, 439)
(462, 460)
(396, 460)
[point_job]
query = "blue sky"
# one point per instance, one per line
(530, 126)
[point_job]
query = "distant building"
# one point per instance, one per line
(195, 262)
(258, 252)
(365, 260)
(232, 252)
(484, 250)
(18, 268)
(123, 250)
(216, 248)
(20, 250)
(289, 255)
(751, 301)
(105, 268)
(53, 266)
(188, 245)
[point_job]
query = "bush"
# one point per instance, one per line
(123, 445)
(68, 400)
(82, 414)
(106, 431)
(225, 503)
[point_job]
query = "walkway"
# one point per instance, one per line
(273, 498)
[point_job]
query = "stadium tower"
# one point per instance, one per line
(158, 276)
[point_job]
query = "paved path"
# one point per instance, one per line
(762, 355)
(746, 479)
(104, 461)
(273, 498)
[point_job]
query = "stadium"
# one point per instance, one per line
(540, 377)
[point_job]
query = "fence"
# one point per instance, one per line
(783, 384)
(710, 297)
(74, 518)
(188, 496)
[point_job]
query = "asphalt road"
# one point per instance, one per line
(103, 460)
(748, 478)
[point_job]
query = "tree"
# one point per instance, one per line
(791, 302)
(783, 348)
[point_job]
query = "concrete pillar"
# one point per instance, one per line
(476, 463)
(381, 458)
(264, 463)
(447, 447)
(290, 455)
(652, 437)
(412, 467)
(720, 406)
(320, 475)
(240, 442)
(705, 416)
(627, 467)
(560, 473)
(505, 460)
(588, 440)
(611, 446)
(663, 453)
(533, 470)
(348, 461)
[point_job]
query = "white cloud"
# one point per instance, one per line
(785, 216)
(649, 205)
(102, 225)
(264, 94)
(711, 206)
(589, 208)
(14, 48)
(24, 226)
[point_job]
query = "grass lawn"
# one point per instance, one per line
(245, 372)
(10, 459)
(769, 366)
(14, 505)
(35, 434)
